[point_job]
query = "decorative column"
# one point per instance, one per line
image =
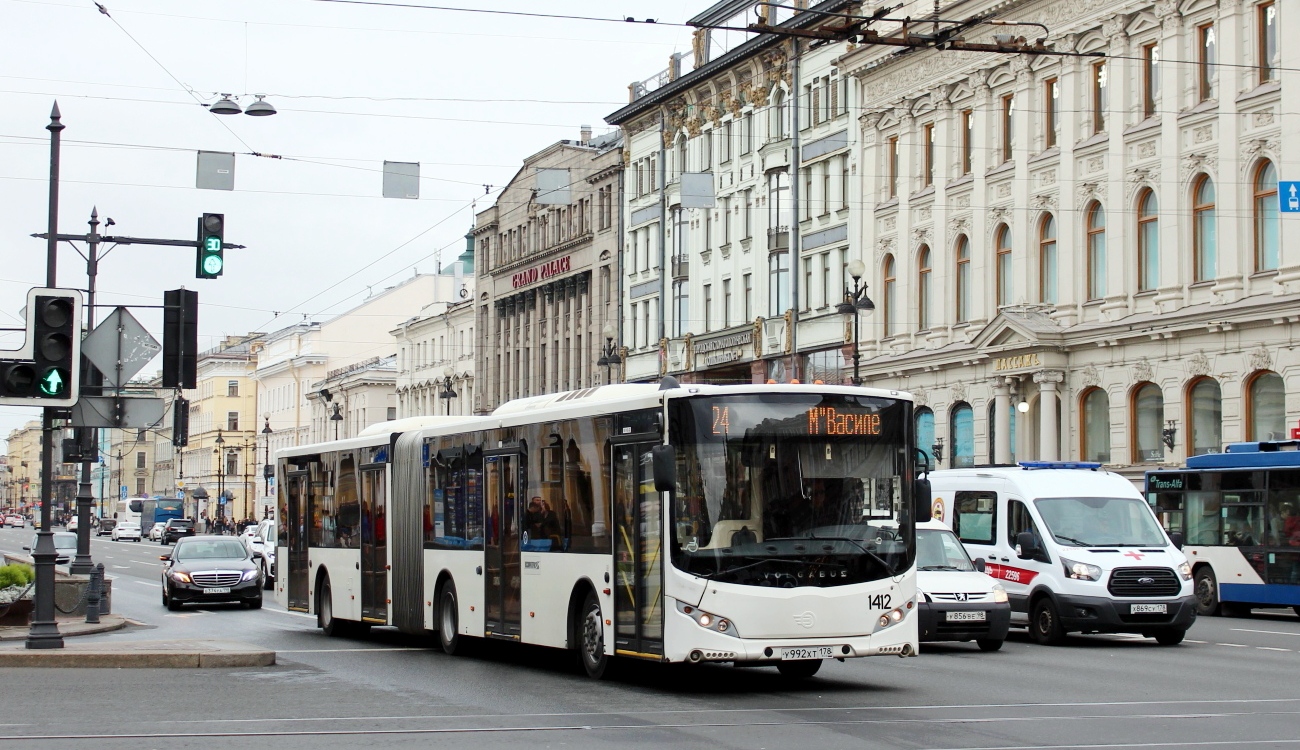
(1002, 427)
(1049, 429)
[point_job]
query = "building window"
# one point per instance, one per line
(232, 421)
(1204, 237)
(1267, 41)
(778, 283)
(925, 432)
(1150, 79)
(681, 307)
(967, 140)
(1052, 121)
(891, 165)
(1095, 405)
(1205, 415)
(1008, 126)
(1148, 241)
(1266, 407)
(844, 181)
(1003, 244)
(1100, 96)
(1148, 424)
(891, 296)
(828, 293)
(232, 464)
(139, 460)
(706, 151)
(962, 435)
(726, 303)
(826, 187)
(748, 294)
(726, 220)
(725, 146)
(139, 487)
(232, 388)
(1266, 217)
(993, 433)
(746, 133)
(708, 308)
(923, 287)
(1096, 251)
(962, 255)
(1208, 57)
(807, 283)
(391, 413)
(776, 117)
(1047, 259)
(927, 154)
(748, 221)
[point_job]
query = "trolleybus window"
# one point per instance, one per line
(792, 490)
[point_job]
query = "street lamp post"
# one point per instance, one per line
(336, 417)
(855, 302)
(608, 353)
(267, 471)
(447, 393)
(221, 478)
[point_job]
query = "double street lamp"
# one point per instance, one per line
(221, 476)
(267, 470)
(608, 353)
(447, 393)
(856, 301)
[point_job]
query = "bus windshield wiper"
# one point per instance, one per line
(761, 561)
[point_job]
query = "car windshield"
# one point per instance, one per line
(939, 549)
(792, 489)
(62, 540)
(213, 549)
(1100, 522)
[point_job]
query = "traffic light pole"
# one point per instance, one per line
(44, 632)
(82, 564)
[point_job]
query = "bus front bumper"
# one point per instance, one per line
(704, 645)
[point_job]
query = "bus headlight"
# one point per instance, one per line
(1081, 571)
(999, 595)
(1185, 570)
(708, 620)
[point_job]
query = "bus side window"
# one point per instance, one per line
(1203, 518)
(974, 516)
(1169, 509)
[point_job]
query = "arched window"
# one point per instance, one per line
(1003, 244)
(1095, 405)
(923, 287)
(1096, 251)
(1047, 259)
(962, 439)
(925, 431)
(1205, 415)
(1266, 407)
(776, 117)
(681, 156)
(1266, 227)
(891, 296)
(1148, 241)
(1148, 410)
(963, 279)
(1204, 230)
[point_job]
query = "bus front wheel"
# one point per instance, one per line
(449, 621)
(591, 639)
(1206, 588)
(332, 626)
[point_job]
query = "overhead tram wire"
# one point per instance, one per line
(526, 14)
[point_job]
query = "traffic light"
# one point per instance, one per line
(180, 338)
(212, 232)
(180, 422)
(47, 370)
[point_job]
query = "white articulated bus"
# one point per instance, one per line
(749, 524)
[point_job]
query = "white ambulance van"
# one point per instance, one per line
(1076, 547)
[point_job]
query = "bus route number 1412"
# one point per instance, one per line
(879, 601)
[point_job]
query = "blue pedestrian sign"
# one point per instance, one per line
(121, 492)
(1288, 194)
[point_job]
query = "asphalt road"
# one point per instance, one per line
(1233, 683)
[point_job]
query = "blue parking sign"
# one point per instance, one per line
(1288, 195)
(122, 492)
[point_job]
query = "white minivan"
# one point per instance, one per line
(958, 601)
(1076, 547)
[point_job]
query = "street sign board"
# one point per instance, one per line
(121, 492)
(119, 347)
(1288, 194)
(140, 412)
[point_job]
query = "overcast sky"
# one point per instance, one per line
(468, 95)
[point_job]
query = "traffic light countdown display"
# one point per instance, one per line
(211, 260)
(46, 371)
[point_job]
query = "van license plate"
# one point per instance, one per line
(218, 590)
(1149, 609)
(966, 616)
(819, 652)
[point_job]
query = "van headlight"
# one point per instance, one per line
(999, 594)
(1081, 571)
(1185, 570)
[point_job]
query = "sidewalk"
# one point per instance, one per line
(173, 654)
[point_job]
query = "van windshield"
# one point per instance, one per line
(1100, 522)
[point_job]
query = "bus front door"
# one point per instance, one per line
(374, 545)
(501, 547)
(298, 488)
(638, 547)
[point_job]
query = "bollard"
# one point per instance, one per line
(94, 592)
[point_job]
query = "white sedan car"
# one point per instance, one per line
(126, 530)
(155, 533)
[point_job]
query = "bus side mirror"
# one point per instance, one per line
(665, 468)
(1177, 538)
(921, 500)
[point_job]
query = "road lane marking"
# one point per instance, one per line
(350, 650)
(1233, 645)
(1270, 648)
(150, 583)
(1270, 632)
(1189, 640)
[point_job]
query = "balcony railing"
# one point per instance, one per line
(681, 267)
(778, 238)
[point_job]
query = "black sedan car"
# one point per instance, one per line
(177, 529)
(211, 569)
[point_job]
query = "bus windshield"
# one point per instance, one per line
(1100, 522)
(792, 489)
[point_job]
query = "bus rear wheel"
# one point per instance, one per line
(1206, 588)
(332, 626)
(800, 669)
(449, 621)
(591, 639)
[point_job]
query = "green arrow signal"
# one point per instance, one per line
(52, 382)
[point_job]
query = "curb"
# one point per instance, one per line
(107, 624)
(142, 655)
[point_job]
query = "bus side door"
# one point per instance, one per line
(638, 548)
(501, 551)
(299, 512)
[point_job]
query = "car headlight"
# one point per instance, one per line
(181, 576)
(1081, 571)
(250, 574)
(1185, 570)
(999, 595)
